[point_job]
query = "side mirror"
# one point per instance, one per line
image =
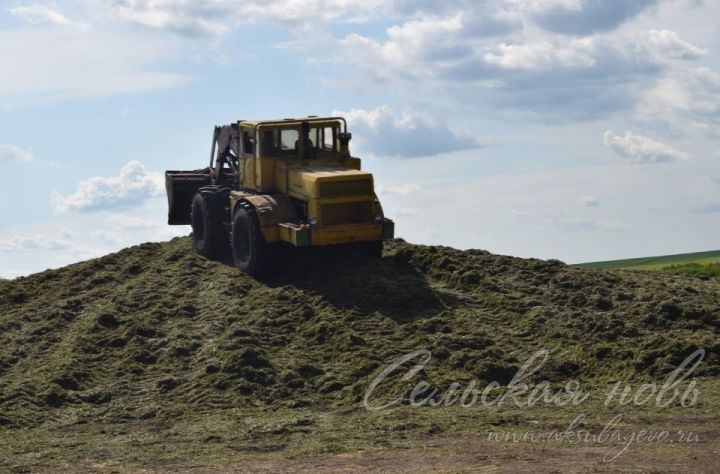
(345, 138)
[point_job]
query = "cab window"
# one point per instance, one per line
(279, 142)
(323, 138)
(288, 139)
(248, 144)
(329, 139)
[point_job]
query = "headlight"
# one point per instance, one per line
(313, 221)
(378, 218)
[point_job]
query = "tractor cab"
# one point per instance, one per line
(299, 142)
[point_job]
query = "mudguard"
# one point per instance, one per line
(271, 210)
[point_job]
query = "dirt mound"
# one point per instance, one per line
(156, 331)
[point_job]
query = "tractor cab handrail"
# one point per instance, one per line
(274, 123)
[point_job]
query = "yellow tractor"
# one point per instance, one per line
(271, 182)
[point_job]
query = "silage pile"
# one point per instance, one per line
(156, 331)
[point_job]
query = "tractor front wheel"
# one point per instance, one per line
(250, 251)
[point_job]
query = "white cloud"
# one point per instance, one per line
(583, 17)
(403, 189)
(487, 52)
(588, 201)
(66, 233)
(80, 236)
(685, 100)
(428, 40)
(35, 242)
(539, 55)
(484, 18)
(707, 209)
(37, 13)
(179, 16)
(404, 212)
(642, 149)
(543, 6)
(384, 132)
(556, 78)
(421, 38)
(216, 17)
(13, 154)
(670, 45)
(110, 237)
(635, 51)
(9, 274)
(608, 224)
(133, 222)
(59, 63)
(133, 186)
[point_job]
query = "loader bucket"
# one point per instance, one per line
(181, 187)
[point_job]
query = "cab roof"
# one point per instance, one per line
(289, 121)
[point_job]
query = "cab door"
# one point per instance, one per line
(248, 156)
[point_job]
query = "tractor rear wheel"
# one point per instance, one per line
(206, 218)
(250, 251)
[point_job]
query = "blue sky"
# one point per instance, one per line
(572, 129)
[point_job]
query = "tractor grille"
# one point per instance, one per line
(330, 189)
(346, 213)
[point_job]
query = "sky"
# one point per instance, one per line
(580, 130)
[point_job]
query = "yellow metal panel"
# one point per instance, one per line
(352, 163)
(315, 205)
(265, 175)
(281, 176)
(304, 181)
(249, 175)
(333, 235)
(340, 234)
(296, 184)
(271, 234)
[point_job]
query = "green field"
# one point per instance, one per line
(658, 263)
(701, 264)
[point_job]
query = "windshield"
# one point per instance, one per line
(277, 142)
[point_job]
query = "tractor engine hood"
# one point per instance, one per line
(329, 182)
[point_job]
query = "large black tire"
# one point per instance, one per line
(207, 217)
(250, 251)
